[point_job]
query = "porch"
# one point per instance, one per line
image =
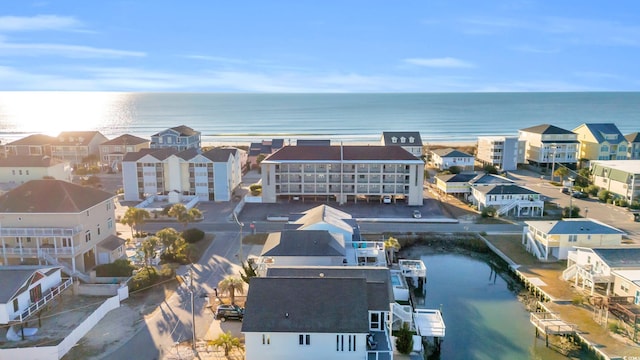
(366, 253)
(379, 346)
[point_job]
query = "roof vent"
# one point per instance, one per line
(286, 315)
(321, 275)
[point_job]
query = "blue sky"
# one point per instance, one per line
(320, 46)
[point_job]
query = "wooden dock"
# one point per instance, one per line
(550, 324)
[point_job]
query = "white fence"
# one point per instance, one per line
(57, 352)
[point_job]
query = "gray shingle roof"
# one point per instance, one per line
(504, 190)
(408, 135)
(325, 214)
(379, 290)
(304, 243)
(159, 154)
(448, 152)
(76, 138)
(111, 242)
(633, 137)
(619, 257)
(35, 139)
(462, 177)
(12, 280)
(307, 305)
(219, 154)
(183, 130)
(581, 226)
(600, 130)
(51, 196)
(126, 139)
(547, 129)
(488, 179)
(349, 153)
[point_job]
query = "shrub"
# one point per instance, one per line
(144, 278)
(455, 169)
(404, 340)
(192, 235)
(622, 202)
(577, 300)
(634, 205)
(489, 211)
(256, 189)
(604, 195)
(118, 268)
(592, 190)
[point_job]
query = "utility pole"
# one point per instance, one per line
(571, 196)
(553, 163)
(193, 314)
(240, 225)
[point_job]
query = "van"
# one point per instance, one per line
(386, 199)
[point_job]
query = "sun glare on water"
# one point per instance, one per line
(52, 112)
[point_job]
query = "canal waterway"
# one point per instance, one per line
(484, 318)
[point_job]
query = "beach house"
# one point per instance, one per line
(27, 290)
(18, 169)
(548, 146)
(621, 177)
(455, 184)
(443, 159)
(633, 152)
(36, 144)
(179, 137)
(264, 148)
(60, 223)
(408, 140)
(295, 313)
(343, 174)
(601, 142)
(77, 147)
(507, 200)
(553, 240)
(210, 176)
(606, 267)
(112, 151)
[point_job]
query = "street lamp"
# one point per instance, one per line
(586, 212)
(193, 314)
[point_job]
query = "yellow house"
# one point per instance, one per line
(601, 142)
(552, 240)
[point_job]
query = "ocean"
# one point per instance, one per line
(239, 118)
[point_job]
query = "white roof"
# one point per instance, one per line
(628, 166)
(631, 275)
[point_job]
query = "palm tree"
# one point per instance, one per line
(169, 238)
(184, 216)
(135, 217)
(231, 284)
(391, 245)
(226, 341)
(149, 248)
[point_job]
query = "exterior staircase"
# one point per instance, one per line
(65, 268)
(505, 208)
(569, 272)
(401, 314)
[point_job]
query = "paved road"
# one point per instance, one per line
(171, 322)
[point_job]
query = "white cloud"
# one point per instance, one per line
(535, 50)
(38, 23)
(71, 51)
(219, 59)
(446, 62)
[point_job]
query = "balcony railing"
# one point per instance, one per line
(35, 252)
(40, 232)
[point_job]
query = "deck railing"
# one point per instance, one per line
(33, 308)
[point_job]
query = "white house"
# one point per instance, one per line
(547, 146)
(446, 158)
(324, 217)
(554, 239)
(179, 137)
(211, 176)
(317, 314)
(18, 169)
(591, 266)
(509, 200)
(454, 184)
(27, 289)
(309, 247)
(112, 151)
(57, 222)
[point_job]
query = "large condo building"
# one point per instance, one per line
(343, 173)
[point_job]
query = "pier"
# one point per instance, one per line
(550, 324)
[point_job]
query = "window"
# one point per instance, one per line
(66, 242)
(98, 229)
(87, 236)
(573, 238)
(15, 305)
(351, 343)
(304, 339)
(266, 339)
(19, 172)
(27, 172)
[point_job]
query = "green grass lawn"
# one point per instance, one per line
(511, 245)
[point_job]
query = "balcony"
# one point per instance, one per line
(36, 252)
(40, 232)
(48, 297)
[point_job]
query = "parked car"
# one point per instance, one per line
(224, 312)
(416, 214)
(386, 199)
(565, 190)
(579, 195)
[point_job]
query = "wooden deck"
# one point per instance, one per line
(549, 324)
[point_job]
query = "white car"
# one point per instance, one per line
(416, 214)
(386, 199)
